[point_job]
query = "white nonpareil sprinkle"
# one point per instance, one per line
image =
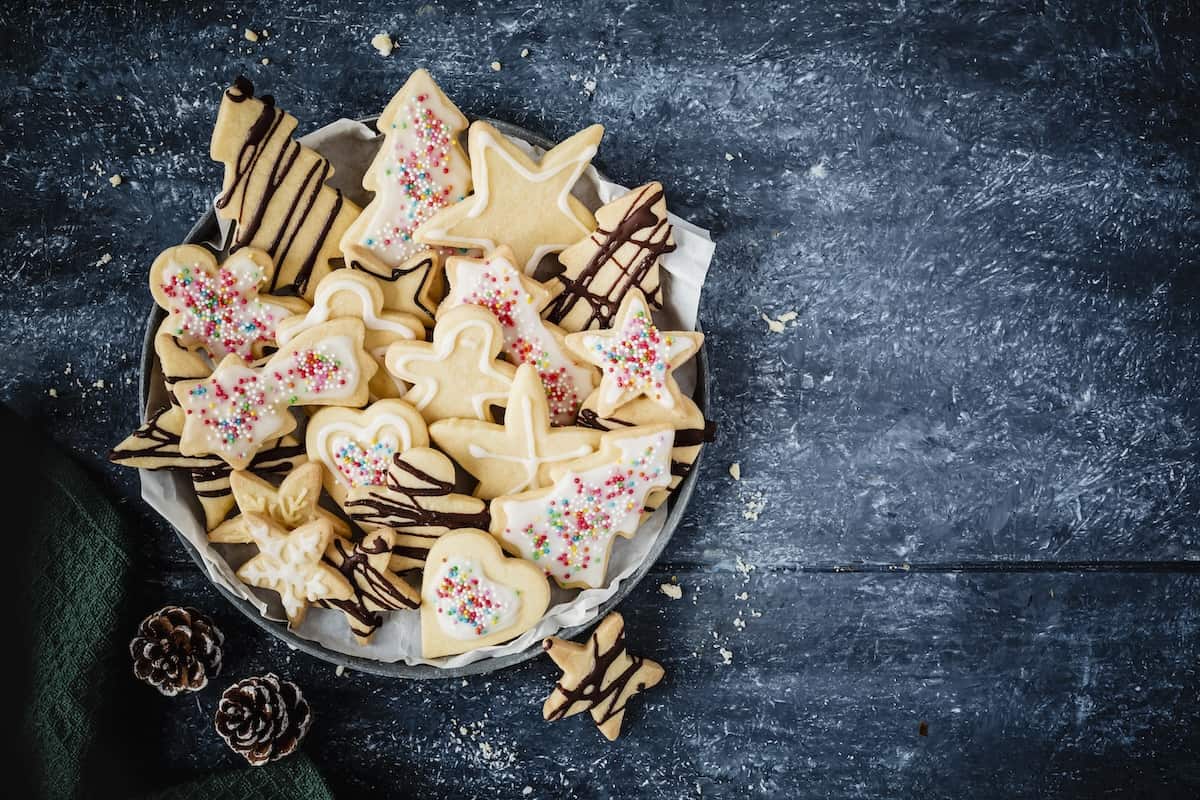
(383, 43)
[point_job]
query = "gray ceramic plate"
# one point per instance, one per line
(151, 375)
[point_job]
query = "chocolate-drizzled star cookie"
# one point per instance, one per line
(377, 588)
(636, 359)
(458, 374)
(418, 503)
(420, 168)
(518, 202)
(155, 446)
(178, 362)
(517, 455)
(275, 191)
(290, 563)
(621, 254)
(599, 676)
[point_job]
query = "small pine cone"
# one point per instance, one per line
(177, 649)
(263, 718)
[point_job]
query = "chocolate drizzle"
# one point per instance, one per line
(640, 217)
(592, 690)
(268, 128)
(686, 437)
(398, 505)
(395, 274)
(374, 591)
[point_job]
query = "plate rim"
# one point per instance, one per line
(203, 230)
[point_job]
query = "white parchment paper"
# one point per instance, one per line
(350, 146)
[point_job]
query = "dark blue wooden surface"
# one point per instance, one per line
(985, 219)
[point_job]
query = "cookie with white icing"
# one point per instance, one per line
(472, 596)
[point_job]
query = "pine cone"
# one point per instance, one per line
(263, 718)
(177, 649)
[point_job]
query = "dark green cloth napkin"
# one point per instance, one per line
(88, 726)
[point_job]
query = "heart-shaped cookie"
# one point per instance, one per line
(473, 596)
(356, 447)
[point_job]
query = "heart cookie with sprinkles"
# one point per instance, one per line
(473, 596)
(356, 447)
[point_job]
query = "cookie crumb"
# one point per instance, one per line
(589, 86)
(99, 384)
(495, 66)
(729, 156)
(742, 596)
(67, 369)
(739, 623)
(528, 790)
(53, 392)
(817, 171)
(250, 35)
(755, 614)
(525, 54)
(754, 506)
(115, 181)
(735, 470)
(788, 316)
(726, 654)
(265, 61)
(742, 566)
(773, 325)
(340, 671)
(104, 259)
(383, 43)
(486, 749)
(672, 591)
(806, 381)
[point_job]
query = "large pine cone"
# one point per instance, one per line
(177, 649)
(263, 718)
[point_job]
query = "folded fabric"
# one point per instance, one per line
(87, 725)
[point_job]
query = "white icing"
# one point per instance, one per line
(665, 352)
(425, 387)
(322, 310)
(343, 348)
(289, 564)
(532, 459)
(222, 416)
(331, 436)
(527, 325)
(450, 610)
(577, 555)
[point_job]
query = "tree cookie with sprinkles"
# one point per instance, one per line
(420, 168)
(518, 202)
(347, 294)
(418, 503)
(356, 447)
(238, 409)
(636, 359)
(516, 301)
(567, 529)
(217, 307)
(623, 253)
(599, 676)
(275, 191)
(472, 596)
(517, 455)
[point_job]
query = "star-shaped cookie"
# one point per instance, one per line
(291, 504)
(621, 254)
(366, 565)
(518, 202)
(459, 374)
(290, 564)
(635, 358)
(599, 676)
(517, 455)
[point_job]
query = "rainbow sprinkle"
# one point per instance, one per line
(638, 361)
(466, 600)
(219, 311)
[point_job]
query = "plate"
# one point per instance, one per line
(206, 229)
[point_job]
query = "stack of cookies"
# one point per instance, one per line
(388, 403)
